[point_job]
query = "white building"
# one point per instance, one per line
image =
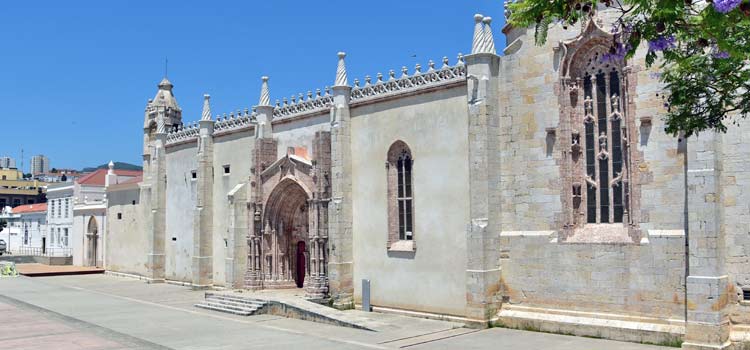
(59, 218)
(27, 225)
(39, 164)
(90, 213)
(7, 162)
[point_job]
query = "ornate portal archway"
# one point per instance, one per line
(287, 245)
(286, 223)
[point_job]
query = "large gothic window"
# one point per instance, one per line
(400, 197)
(596, 123)
(605, 160)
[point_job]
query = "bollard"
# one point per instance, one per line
(366, 295)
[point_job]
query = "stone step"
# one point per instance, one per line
(236, 299)
(225, 310)
(231, 307)
(247, 304)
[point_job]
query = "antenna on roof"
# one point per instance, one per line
(166, 66)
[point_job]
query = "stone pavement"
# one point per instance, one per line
(106, 312)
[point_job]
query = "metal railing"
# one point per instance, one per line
(38, 251)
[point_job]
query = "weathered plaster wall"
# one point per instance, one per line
(434, 126)
(79, 240)
(234, 150)
(181, 193)
(126, 239)
(301, 132)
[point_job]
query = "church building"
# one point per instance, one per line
(533, 190)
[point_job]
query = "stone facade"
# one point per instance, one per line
(539, 185)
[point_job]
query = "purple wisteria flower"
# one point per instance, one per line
(617, 53)
(721, 54)
(661, 43)
(725, 6)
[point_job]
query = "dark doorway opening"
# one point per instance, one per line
(299, 276)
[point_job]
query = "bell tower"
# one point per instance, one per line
(162, 115)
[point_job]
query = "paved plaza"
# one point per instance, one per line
(106, 312)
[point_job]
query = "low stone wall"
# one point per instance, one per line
(638, 288)
(54, 260)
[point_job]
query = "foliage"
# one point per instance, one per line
(702, 48)
(3, 224)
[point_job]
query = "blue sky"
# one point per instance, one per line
(75, 75)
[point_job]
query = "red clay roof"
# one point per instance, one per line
(30, 208)
(98, 177)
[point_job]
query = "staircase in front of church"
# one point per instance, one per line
(231, 304)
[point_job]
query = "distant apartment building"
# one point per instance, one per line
(15, 191)
(39, 164)
(7, 163)
(59, 215)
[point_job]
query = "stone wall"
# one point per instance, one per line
(642, 280)
(434, 126)
(234, 150)
(180, 206)
(126, 245)
(735, 211)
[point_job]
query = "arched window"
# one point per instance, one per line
(400, 197)
(598, 121)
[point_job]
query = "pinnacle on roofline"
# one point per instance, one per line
(341, 78)
(206, 115)
(265, 95)
(483, 41)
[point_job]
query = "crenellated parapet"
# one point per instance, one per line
(183, 132)
(235, 121)
(224, 124)
(406, 84)
(299, 105)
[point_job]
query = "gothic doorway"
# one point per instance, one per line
(285, 234)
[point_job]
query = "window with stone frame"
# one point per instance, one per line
(596, 116)
(399, 167)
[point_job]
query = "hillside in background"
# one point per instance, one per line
(118, 165)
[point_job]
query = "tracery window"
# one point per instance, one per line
(400, 197)
(605, 161)
(598, 185)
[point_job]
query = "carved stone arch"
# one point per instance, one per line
(597, 134)
(92, 227)
(398, 149)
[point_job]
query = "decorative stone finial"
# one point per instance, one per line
(341, 79)
(206, 108)
(489, 40)
(111, 165)
(477, 45)
(265, 96)
(161, 127)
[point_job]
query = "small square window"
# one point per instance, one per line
(119, 216)
(226, 170)
(746, 294)
(193, 174)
